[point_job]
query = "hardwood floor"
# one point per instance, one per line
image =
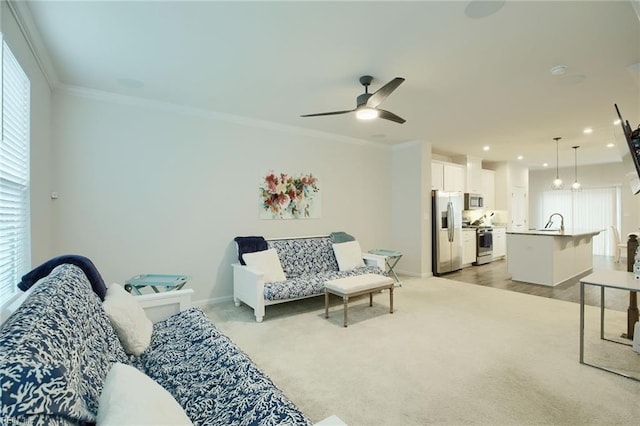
(495, 274)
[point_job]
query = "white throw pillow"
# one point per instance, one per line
(128, 319)
(130, 397)
(348, 255)
(268, 262)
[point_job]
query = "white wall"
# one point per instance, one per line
(411, 199)
(153, 188)
(589, 176)
(40, 138)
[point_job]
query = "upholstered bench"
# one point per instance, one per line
(356, 286)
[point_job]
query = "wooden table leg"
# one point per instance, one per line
(346, 301)
(632, 314)
(326, 304)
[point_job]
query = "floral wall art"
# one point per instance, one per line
(287, 196)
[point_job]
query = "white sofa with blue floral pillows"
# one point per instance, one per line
(287, 269)
(68, 358)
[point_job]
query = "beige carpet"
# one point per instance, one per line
(452, 353)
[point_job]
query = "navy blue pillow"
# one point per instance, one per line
(87, 266)
(250, 245)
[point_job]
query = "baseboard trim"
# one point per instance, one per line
(213, 301)
(414, 274)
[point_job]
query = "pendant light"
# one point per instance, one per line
(557, 183)
(575, 186)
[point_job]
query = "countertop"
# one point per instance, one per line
(482, 226)
(556, 233)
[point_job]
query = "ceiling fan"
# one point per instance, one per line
(367, 103)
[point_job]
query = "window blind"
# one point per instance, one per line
(15, 238)
(591, 208)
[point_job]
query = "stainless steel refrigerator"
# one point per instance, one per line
(446, 233)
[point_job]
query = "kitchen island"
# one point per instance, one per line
(549, 257)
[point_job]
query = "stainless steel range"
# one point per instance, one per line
(484, 245)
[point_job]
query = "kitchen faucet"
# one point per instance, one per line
(550, 222)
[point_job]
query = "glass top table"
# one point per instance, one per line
(391, 260)
(620, 280)
(155, 281)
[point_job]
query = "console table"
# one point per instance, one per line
(605, 279)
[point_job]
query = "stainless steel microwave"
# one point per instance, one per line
(473, 201)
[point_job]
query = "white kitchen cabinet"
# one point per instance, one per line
(447, 176)
(437, 176)
(454, 177)
(499, 242)
(519, 208)
(474, 175)
(488, 180)
(511, 187)
(468, 246)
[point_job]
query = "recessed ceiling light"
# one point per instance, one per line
(486, 148)
(545, 164)
(558, 69)
(610, 145)
(588, 131)
(520, 157)
(617, 122)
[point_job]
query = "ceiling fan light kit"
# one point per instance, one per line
(366, 113)
(367, 103)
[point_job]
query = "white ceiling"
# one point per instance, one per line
(470, 82)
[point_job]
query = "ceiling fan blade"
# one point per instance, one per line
(327, 113)
(382, 93)
(390, 116)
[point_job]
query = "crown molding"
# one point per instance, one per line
(407, 145)
(135, 101)
(22, 14)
